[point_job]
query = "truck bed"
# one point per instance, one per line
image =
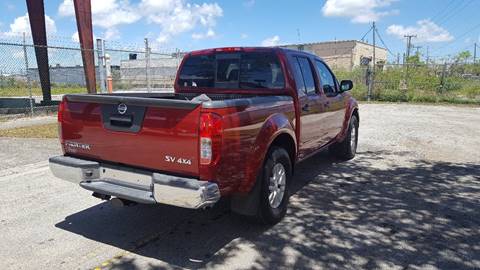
(157, 131)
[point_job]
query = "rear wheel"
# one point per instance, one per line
(347, 148)
(274, 193)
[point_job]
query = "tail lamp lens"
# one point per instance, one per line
(61, 109)
(210, 137)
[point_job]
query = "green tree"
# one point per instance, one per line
(463, 56)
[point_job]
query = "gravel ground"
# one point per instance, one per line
(28, 121)
(409, 200)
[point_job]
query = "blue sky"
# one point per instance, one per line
(444, 26)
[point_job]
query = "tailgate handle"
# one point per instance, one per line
(121, 120)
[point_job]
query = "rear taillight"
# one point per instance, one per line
(210, 137)
(61, 109)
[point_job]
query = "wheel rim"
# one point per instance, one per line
(353, 138)
(276, 186)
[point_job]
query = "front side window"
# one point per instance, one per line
(252, 70)
(326, 78)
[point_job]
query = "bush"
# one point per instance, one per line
(424, 84)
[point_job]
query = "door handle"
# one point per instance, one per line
(306, 108)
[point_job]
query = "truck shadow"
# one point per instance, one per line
(372, 212)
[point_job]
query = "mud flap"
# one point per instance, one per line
(248, 204)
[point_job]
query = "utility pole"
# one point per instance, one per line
(475, 53)
(409, 47)
(417, 49)
(372, 76)
(428, 56)
(442, 79)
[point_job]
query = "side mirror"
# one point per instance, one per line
(346, 85)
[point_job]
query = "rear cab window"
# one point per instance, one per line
(244, 70)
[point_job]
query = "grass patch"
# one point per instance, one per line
(37, 91)
(40, 131)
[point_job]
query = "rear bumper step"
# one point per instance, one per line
(135, 185)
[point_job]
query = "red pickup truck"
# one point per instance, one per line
(236, 125)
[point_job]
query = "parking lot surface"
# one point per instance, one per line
(409, 200)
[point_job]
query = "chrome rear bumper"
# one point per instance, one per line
(135, 185)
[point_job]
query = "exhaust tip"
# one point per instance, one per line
(117, 203)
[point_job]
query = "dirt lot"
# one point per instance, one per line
(409, 200)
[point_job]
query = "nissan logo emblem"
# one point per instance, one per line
(122, 108)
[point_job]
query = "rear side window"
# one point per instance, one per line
(303, 75)
(307, 74)
(251, 70)
(297, 72)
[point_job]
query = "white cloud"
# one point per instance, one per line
(426, 31)
(178, 16)
(271, 41)
(22, 25)
(243, 36)
(209, 34)
(75, 37)
(105, 13)
(359, 11)
(111, 34)
(173, 16)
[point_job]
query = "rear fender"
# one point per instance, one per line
(274, 126)
(352, 106)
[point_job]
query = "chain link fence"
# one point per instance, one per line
(449, 82)
(138, 67)
(118, 67)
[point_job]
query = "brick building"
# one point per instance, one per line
(345, 55)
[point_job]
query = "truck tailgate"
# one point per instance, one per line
(154, 133)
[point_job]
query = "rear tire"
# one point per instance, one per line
(347, 148)
(274, 194)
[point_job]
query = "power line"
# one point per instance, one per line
(454, 13)
(444, 9)
(459, 37)
(385, 45)
(451, 10)
(366, 33)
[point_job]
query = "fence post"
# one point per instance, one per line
(147, 64)
(369, 78)
(108, 68)
(101, 64)
(442, 79)
(29, 85)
